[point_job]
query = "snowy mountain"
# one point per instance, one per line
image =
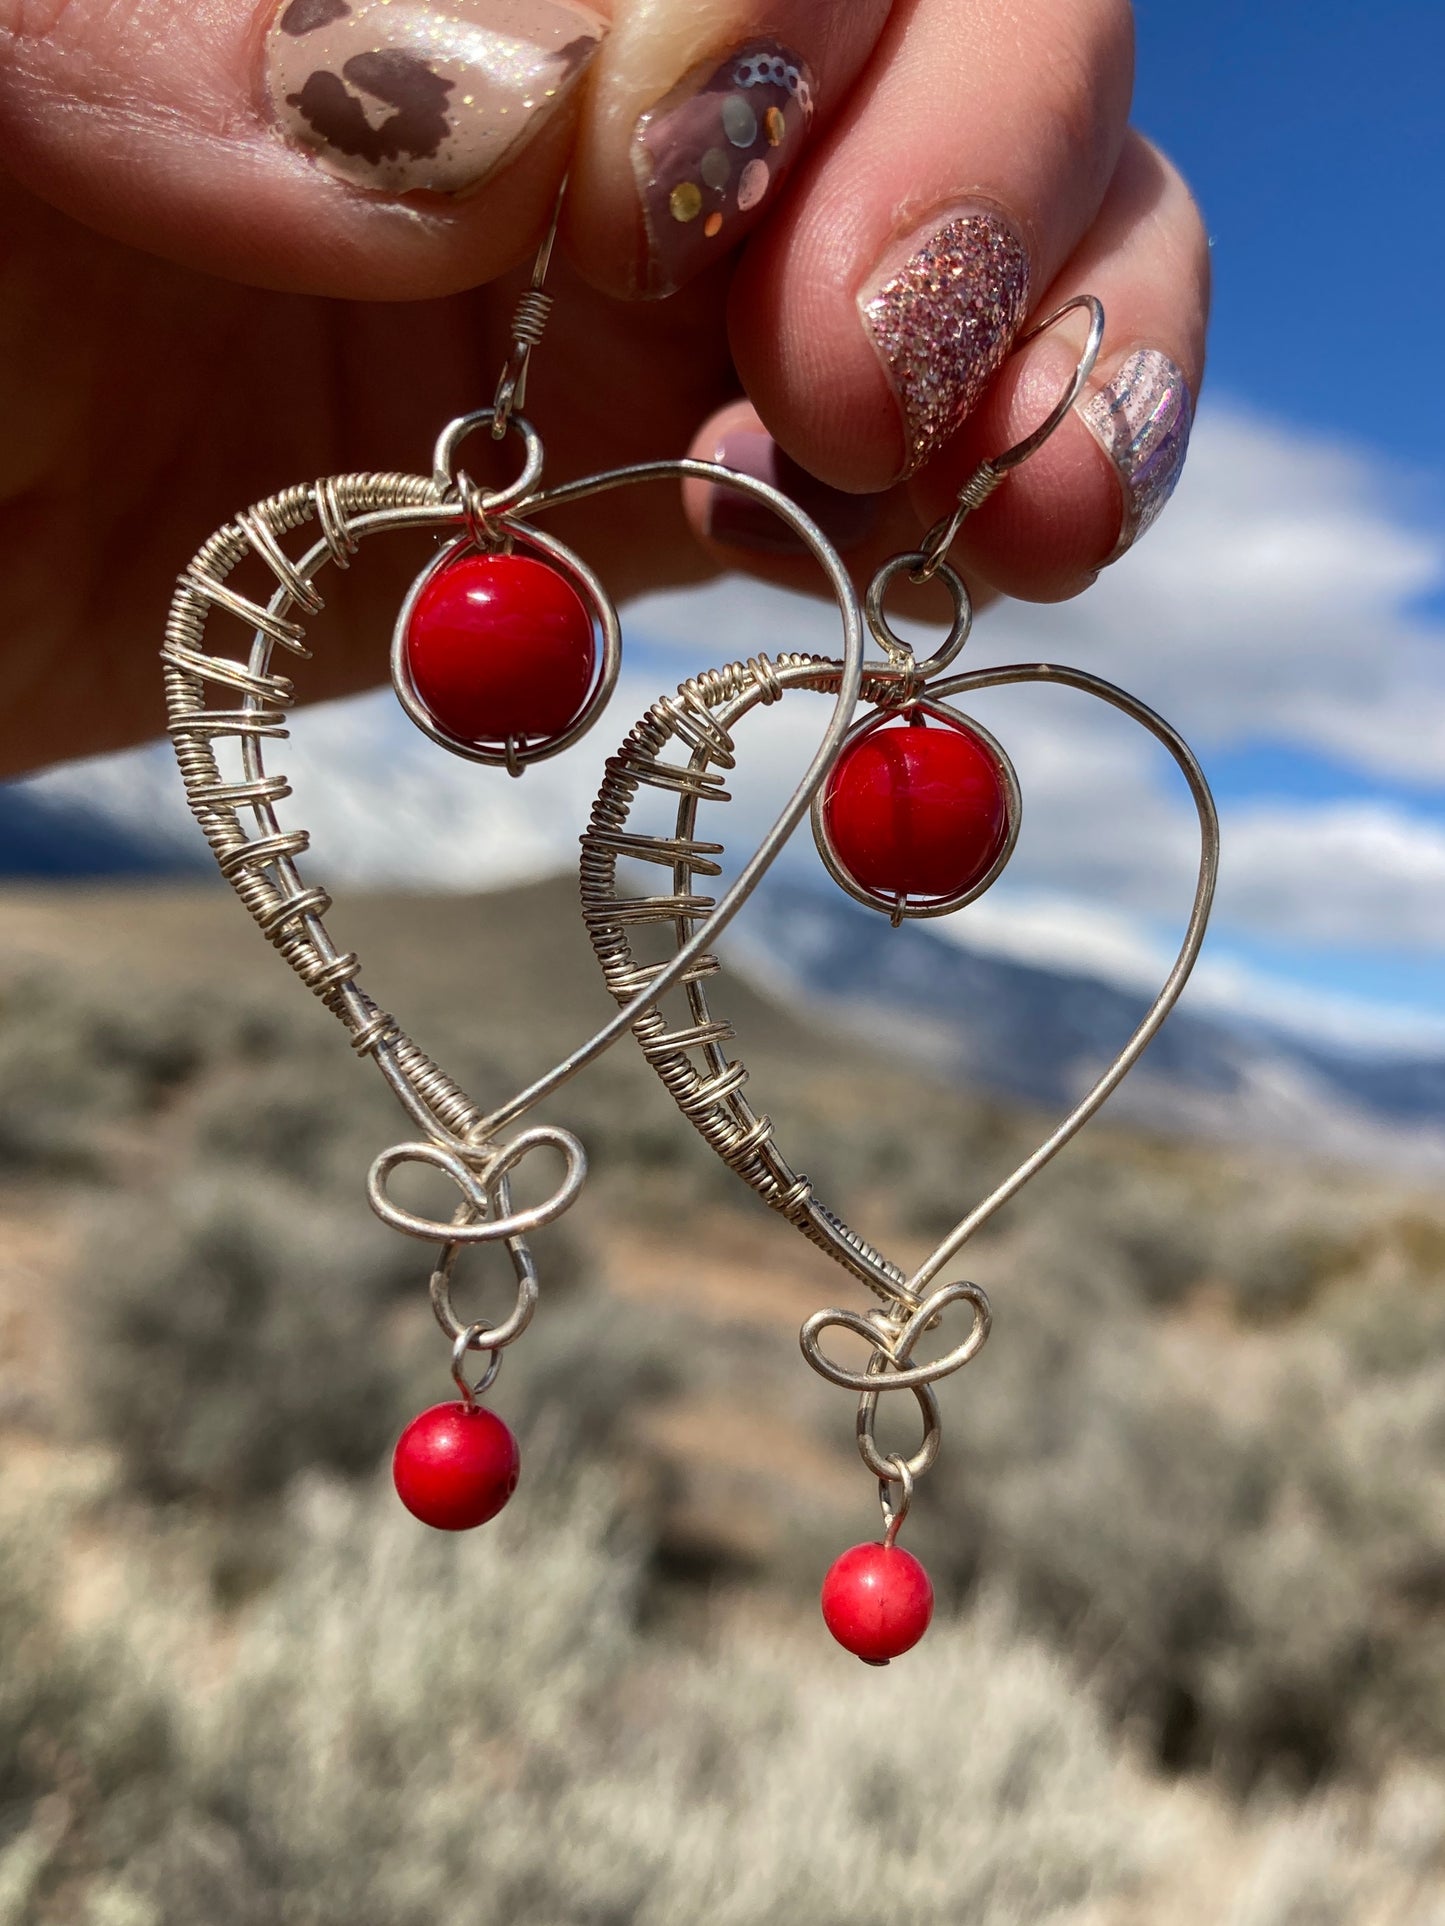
(1043, 1035)
(1038, 1034)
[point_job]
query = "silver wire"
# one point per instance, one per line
(993, 470)
(899, 908)
(258, 856)
(529, 323)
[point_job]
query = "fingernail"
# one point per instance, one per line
(402, 96)
(943, 318)
(710, 157)
(740, 521)
(1142, 422)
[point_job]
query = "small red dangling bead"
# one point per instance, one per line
(501, 646)
(877, 1602)
(455, 1466)
(917, 811)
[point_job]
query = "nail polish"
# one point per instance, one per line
(738, 521)
(711, 157)
(1142, 421)
(943, 319)
(404, 96)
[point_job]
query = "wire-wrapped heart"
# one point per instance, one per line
(690, 1053)
(225, 710)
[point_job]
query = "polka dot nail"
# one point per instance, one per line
(711, 157)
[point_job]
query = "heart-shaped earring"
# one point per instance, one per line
(505, 651)
(918, 816)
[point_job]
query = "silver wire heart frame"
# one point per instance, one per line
(258, 857)
(707, 1085)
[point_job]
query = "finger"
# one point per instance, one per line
(966, 166)
(1101, 479)
(739, 532)
(695, 116)
(365, 148)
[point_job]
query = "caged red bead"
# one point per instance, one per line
(919, 810)
(455, 1466)
(501, 646)
(877, 1602)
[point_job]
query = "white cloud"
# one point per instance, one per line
(1349, 876)
(1273, 601)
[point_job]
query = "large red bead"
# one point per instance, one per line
(499, 646)
(877, 1601)
(455, 1466)
(918, 810)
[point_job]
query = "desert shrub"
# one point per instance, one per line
(312, 1115)
(1155, 1504)
(420, 1730)
(85, 1739)
(1242, 1541)
(1202, 1452)
(253, 1327)
(243, 1328)
(74, 1060)
(1339, 1860)
(1170, 1221)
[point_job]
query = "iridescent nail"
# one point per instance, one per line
(402, 95)
(943, 320)
(711, 157)
(1142, 422)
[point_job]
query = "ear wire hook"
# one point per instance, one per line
(989, 473)
(529, 323)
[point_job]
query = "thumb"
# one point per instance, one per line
(384, 149)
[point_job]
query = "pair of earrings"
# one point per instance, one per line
(506, 651)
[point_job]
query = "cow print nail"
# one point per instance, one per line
(401, 96)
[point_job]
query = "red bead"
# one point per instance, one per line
(917, 810)
(455, 1466)
(499, 646)
(877, 1601)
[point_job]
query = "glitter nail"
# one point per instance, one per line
(944, 321)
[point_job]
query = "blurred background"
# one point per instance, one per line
(1188, 1529)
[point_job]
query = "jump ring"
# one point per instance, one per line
(899, 653)
(444, 471)
(497, 1336)
(471, 1340)
(894, 1514)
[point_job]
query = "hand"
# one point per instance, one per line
(246, 250)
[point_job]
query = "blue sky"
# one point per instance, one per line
(1314, 136)
(1315, 141)
(1288, 612)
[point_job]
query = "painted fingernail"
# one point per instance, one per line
(1142, 422)
(402, 95)
(739, 521)
(710, 157)
(943, 317)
